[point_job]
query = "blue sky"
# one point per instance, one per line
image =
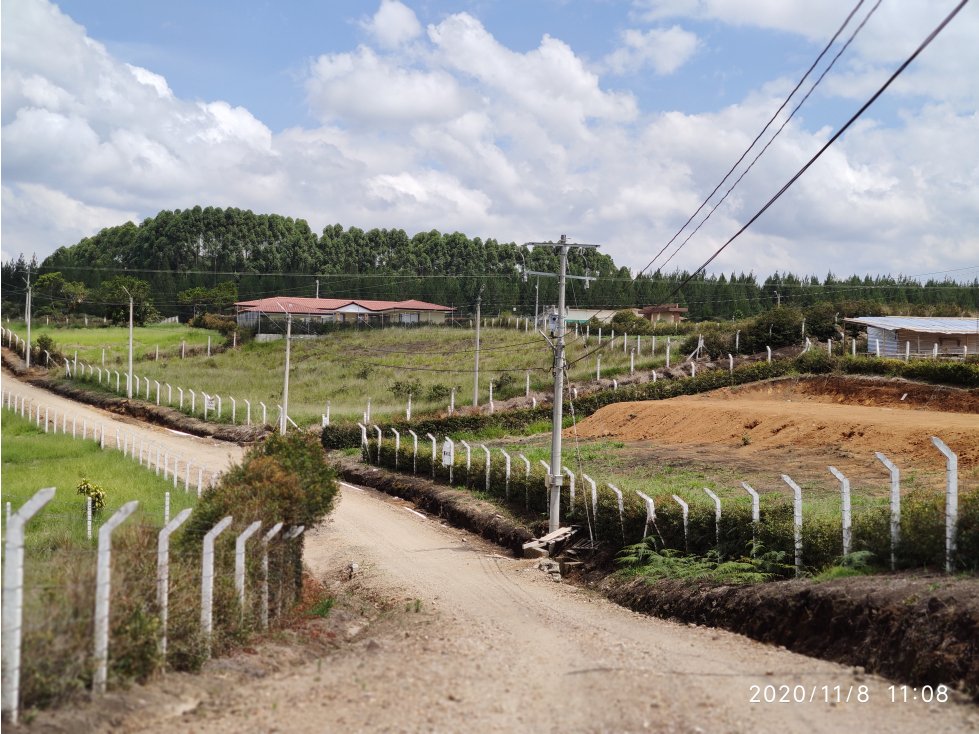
(609, 121)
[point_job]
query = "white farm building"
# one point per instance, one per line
(898, 336)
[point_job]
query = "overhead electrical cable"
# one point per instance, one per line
(760, 134)
(836, 136)
(777, 133)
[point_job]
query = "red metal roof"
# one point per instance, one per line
(298, 304)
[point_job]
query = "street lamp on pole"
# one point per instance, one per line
(555, 474)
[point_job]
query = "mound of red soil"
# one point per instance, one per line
(805, 414)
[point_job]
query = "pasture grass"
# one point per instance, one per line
(33, 459)
(89, 342)
(347, 368)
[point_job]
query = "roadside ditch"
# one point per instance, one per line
(919, 628)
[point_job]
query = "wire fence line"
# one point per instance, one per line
(193, 477)
(925, 532)
(258, 597)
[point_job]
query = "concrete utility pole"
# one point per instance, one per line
(283, 419)
(536, 301)
(317, 287)
(555, 473)
(479, 300)
(27, 318)
(129, 381)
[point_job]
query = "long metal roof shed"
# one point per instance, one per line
(896, 336)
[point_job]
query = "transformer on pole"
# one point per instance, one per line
(555, 474)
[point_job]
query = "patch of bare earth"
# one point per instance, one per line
(818, 419)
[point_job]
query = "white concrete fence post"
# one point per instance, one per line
(380, 440)
(483, 447)
(449, 457)
(796, 521)
(571, 481)
(594, 507)
(13, 599)
(845, 508)
(414, 452)
(266, 539)
(240, 562)
(951, 500)
(234, 410)
(468, 458)
(717, 518)
(650, 512)
(207, 581)
(434, 441)
(163, 575)
(895, 505)
(363, 439)
(755, 513)
(103, 582)
(397, 446)
(265, 419)
(506, 459)
(686, 520)
(618, 496)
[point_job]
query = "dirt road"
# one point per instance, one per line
(471, 640)
(214, 456)
(475, 641)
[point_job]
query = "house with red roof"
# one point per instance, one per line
(340, 311)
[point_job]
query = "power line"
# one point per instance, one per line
(762, 132)
(777, 132)
(924, 44)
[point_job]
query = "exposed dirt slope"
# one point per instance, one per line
(791, 416)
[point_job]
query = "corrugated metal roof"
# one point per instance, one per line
(921, 324)
(303, 305)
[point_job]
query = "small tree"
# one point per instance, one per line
(114, 295)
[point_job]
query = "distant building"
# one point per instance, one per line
(671, 313)
(920, 335)
(584, 315)
(341, 311)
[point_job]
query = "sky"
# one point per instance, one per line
(606, 120)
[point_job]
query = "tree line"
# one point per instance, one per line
(201, 259)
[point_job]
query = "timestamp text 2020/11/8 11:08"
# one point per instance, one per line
(845, 694)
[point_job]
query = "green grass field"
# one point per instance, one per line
(33, 459)
(90, 342)
(347, 368)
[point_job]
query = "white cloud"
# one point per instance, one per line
(889, 37)
(453, 130)
(38, 219)
(663, 49)
(393, 24)
(373, 89)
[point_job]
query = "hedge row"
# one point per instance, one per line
(346, 435)
(960, 374)
(922, 514)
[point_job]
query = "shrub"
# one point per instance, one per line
(286, 479)
(404, 388)
(96, 492)
(225, 325)
(815, 361)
